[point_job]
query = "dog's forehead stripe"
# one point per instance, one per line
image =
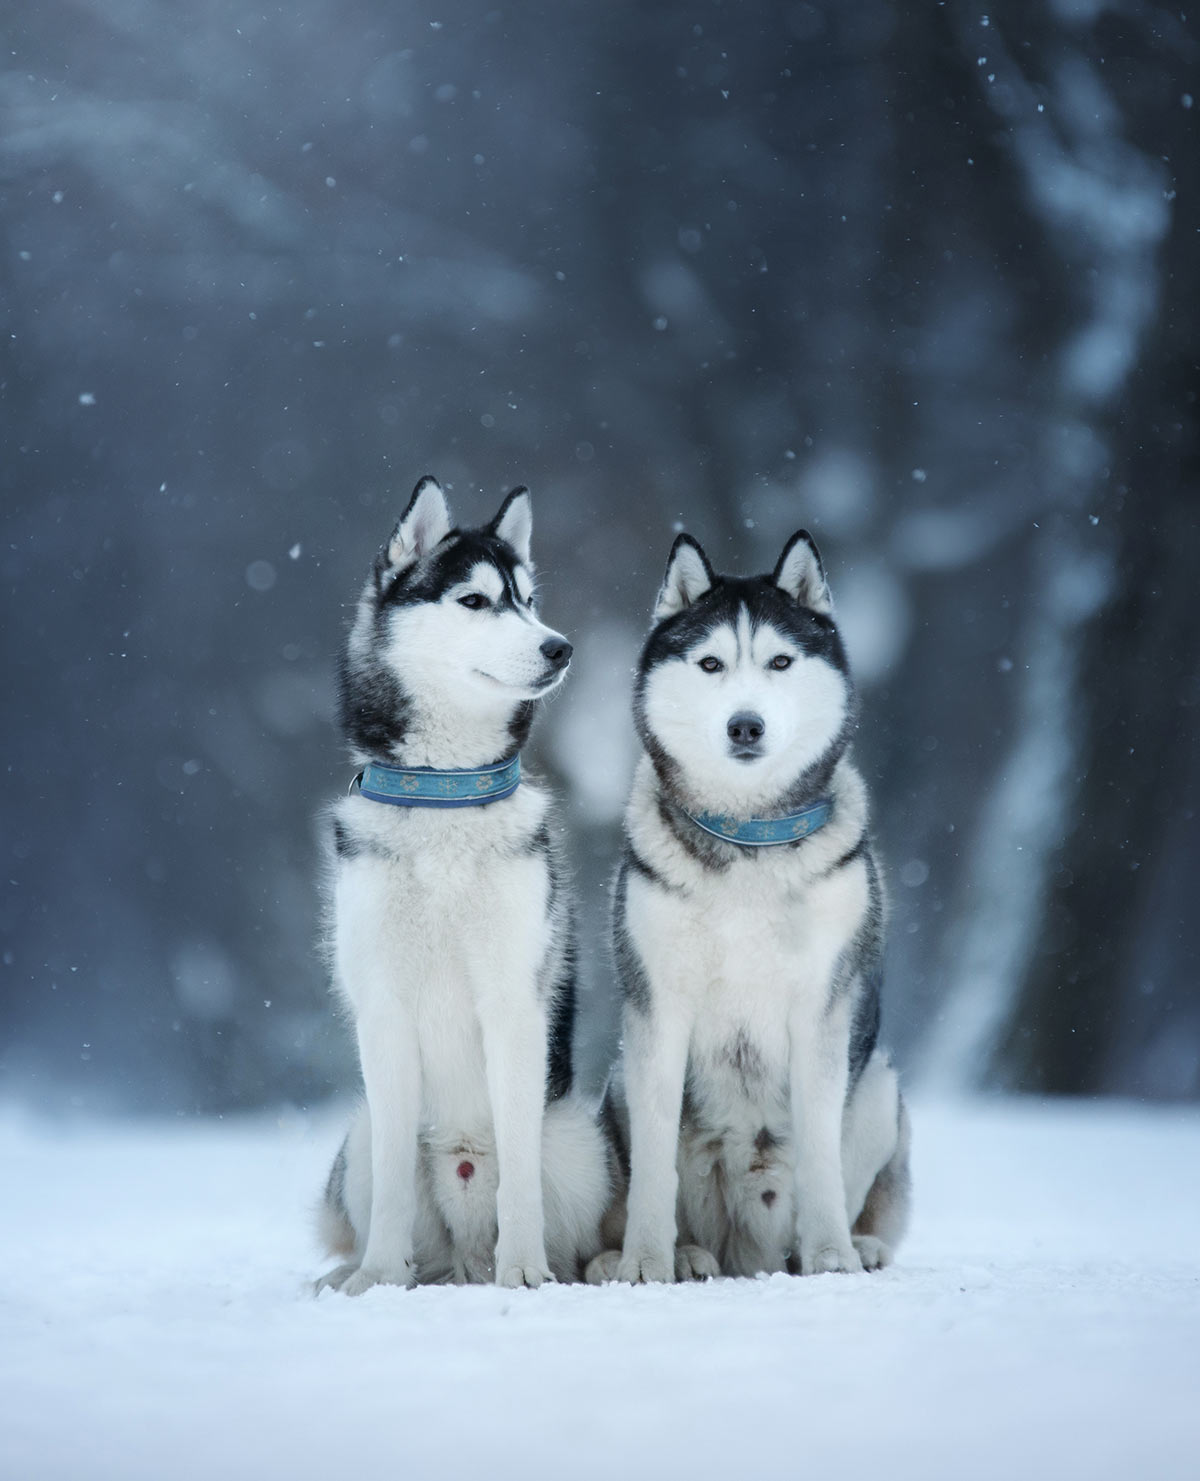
(728, 633)
(747, 636)
(745, 633)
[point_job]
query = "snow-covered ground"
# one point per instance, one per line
(1043, 1321)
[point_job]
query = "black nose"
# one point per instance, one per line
(557, 651)
(746, 728)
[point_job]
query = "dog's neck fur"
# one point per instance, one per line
(450, 740)
(445, 736)
(656, 808)
(807, 786)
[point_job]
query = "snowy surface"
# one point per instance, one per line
(1043, 1321)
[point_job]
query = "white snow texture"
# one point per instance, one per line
(1043, 1320)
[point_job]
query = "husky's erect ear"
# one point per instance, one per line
(423, 524)
(801, 574)
(514, 523)
(688, 577)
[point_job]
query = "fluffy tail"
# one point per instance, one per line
(333, 1222)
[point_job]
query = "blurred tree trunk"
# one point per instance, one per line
(1112, 996)
(1067, 90)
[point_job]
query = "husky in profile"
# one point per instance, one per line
(759, 1125)
(470, 1160)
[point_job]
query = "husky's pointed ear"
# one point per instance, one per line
(688, 577)
(801, 574)
(423, 524)
(514, 523)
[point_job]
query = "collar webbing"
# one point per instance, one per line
(425, 786)
(762, 832)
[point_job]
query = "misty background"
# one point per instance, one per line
(920, 277)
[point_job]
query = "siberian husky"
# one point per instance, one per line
(759, 1124)
(470, 1160)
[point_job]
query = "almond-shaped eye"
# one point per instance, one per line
(711, 665)
(474, 601)
(782, 661)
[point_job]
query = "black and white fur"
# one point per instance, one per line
(452, 945)
(760, 1126)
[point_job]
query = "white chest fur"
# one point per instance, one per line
(429, 904)
(738, 953)
(767, 926)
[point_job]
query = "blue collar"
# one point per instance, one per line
(761, 832)
(423, 786)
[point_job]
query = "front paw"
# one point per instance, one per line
(516, 1267)
(828, 1257)
(514, 1276)
(643, 1267)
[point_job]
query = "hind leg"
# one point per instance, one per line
(873, 1253)
(875, 1152)
(884, 1216)
(694, 1263)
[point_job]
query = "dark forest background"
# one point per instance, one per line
(918, 276)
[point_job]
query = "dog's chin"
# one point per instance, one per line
(551, 682)
(524, 691)
(741, 783)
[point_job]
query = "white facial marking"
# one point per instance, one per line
(484, 578)
(802, 706)
(744, 636)
(524, 584)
